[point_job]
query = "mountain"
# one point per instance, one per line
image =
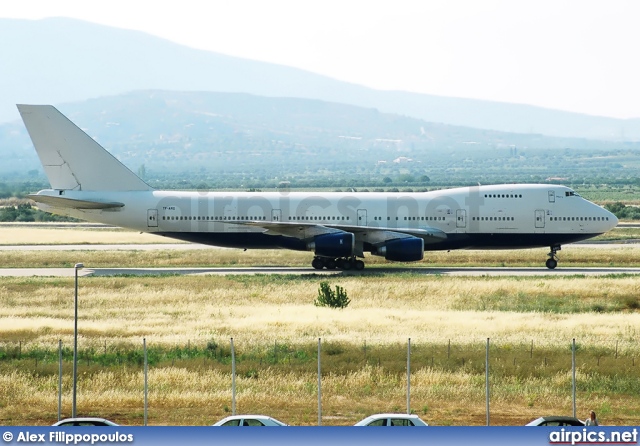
(61, 60)
(191, 136)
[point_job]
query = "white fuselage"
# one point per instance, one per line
(500, 216)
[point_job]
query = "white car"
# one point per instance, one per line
(556, 421)
(85, 421)
(249, 420)
(391, 419)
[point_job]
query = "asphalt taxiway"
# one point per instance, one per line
(467, 271)
(418, 269)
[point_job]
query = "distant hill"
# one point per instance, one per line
(62, 60)
(195, 135)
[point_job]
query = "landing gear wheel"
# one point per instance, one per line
(343, 263)
(552, 261)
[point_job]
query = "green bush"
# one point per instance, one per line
(622, 211)
(329, 298)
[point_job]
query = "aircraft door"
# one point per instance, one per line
(540, 218)
(461, 218)
(152, 218)
(276, 215)
(362, 217)
(552, 196)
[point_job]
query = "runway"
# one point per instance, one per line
(446, 271)
(370, 270)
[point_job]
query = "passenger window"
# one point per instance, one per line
(400, 422)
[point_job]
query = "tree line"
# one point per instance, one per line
(24, 212)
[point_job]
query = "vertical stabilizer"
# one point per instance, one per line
(71, 159)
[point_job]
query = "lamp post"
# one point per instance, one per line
(75, 341)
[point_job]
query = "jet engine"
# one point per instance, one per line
(410, 249)
(336, 245)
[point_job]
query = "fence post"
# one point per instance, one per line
(319, 386)
(409, 376)
(233, 379)
(573, 374)
(59, 379)
(487, 379)
(146, 381)
(531, 353)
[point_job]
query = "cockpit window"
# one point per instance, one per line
(571, 193)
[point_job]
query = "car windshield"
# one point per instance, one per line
(84, 423)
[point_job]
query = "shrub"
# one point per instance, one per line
(329, 298)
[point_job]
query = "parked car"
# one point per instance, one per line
(249, 420)
(85, 421)
(391, 419)
(556, 421)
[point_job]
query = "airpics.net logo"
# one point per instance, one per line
(589, 436)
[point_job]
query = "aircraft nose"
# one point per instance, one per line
(613, 220)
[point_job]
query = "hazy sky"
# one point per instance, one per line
(577, 55)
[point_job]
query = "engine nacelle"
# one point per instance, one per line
(409, 249)
(336, 245)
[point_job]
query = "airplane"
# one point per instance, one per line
(89, 183)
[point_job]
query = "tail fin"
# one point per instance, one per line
(72, 160)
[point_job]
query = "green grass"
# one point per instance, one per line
(443, 375)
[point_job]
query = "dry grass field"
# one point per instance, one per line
(188, 322)
(72, 234)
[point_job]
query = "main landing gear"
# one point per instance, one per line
(552, 261)
(341, 263)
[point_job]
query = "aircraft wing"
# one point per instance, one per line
(71, 203)
(363, 234)
(377, 236)
(302, 231)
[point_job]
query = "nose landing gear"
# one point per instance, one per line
(552, 261)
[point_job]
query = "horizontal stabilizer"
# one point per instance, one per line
(70, 203)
